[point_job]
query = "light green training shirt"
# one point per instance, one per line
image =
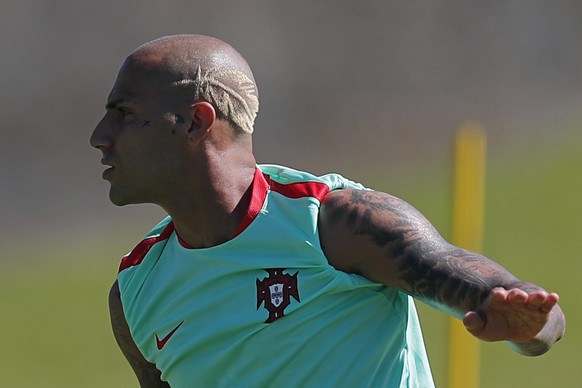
(266, 309)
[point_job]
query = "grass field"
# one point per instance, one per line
(54, 314)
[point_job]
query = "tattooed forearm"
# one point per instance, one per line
(447, 277)
(386, 240)
(426, 266)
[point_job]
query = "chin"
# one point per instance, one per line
(118, 199)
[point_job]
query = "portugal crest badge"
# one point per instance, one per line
(275, 291)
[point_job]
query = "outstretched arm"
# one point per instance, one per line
(147, 373)
(386, 240)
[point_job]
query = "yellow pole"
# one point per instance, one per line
(468, 209)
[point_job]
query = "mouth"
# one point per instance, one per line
(108, 171)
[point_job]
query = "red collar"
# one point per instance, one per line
(259, 193)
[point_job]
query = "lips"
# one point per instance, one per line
(108, 171)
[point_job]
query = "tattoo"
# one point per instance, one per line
(179, 119)
(146, 123)
(426, 266)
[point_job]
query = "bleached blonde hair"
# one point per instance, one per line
(231, 91)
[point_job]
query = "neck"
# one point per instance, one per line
(209, 213)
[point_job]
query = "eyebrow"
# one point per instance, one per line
(113, 104)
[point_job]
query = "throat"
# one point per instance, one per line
(216, 225)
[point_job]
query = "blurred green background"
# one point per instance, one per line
(55, 317)
(374, 90)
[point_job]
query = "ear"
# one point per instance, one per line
(202, 118)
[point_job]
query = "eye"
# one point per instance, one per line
(124, 113)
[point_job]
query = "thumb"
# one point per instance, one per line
(473, 322)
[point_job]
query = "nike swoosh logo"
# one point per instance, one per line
(162, 342)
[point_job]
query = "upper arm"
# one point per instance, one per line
(146, 372)
(386, 240)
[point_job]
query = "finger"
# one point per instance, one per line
(498, 296)
(537, 300)
(517, 296)
(473, 322)
(549, 303)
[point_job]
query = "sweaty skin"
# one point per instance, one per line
(184, 154)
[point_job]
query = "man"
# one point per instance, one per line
(266, 276)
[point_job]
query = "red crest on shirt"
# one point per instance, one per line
(275, 291)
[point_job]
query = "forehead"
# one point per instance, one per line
(140, 84)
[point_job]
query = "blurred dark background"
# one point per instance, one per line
(371, 89)
(361, 88)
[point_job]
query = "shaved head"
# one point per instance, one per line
(204, 68)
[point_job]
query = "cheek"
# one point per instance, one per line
(155, 160)
(151, 147)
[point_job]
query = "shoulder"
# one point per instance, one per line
(160, 232)
(360, 228)
(285, 175)
(352, 206)
(160, 227)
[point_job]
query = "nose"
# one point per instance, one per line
(101, 136)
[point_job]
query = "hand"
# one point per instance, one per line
(514, 315)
